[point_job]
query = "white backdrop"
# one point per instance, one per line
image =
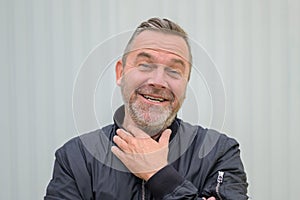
(255, 46)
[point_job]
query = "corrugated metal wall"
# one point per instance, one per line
(255, 46)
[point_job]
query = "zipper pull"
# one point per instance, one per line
(220, 176)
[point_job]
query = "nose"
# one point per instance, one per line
(158, 79)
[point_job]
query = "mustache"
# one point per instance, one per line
(159, 92)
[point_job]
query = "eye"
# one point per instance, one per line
(145, 66)
(174, 73)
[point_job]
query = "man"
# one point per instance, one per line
(148, 153)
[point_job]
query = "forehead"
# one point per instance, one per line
(167, 42)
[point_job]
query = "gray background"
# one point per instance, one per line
(254, 44)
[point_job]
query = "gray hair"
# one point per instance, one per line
(160, 25)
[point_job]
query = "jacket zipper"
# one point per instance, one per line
(219, 180)
(143, 190)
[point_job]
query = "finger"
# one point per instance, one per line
(124, 135)
(165, 137)
(211, 198)
(136, 132)
(117, 152)
(122, 144)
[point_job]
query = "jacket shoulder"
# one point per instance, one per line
(81, 144)
(207, 140)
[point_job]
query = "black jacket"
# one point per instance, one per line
(202, 163)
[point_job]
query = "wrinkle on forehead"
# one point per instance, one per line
(158, 50)
(166, 42)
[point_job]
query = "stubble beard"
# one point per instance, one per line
(152, 119)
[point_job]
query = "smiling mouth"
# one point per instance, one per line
(153, 99)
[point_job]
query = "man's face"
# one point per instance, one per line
(153, 80)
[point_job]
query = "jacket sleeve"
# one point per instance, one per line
(168, 184)
(227, 179)
(69, 176)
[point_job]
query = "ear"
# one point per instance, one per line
(119, 72)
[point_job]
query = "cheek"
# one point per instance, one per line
(131, 81)
(179, 90)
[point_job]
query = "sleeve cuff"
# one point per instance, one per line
(164, 182)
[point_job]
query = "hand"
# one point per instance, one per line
(142, 155)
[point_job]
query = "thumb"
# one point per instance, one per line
(165, 136)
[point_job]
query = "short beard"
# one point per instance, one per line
(151, 119)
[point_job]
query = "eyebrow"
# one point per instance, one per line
(174, 60)
(144, 54)
(178, 61)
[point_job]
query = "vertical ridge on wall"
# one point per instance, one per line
(240, 70)
(278, 103)
(293, 88)
(261, 97)
(6, 84)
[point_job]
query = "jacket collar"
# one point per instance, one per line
(119, 118)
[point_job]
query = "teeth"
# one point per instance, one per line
(154, 99)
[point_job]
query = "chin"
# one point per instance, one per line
(153, 123)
